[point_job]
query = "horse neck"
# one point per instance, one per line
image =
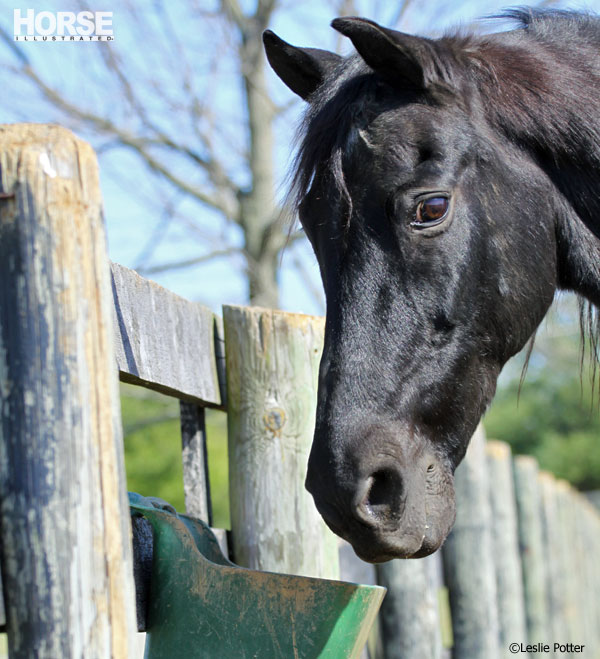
(546, 96)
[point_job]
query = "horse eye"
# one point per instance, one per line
(431, 211)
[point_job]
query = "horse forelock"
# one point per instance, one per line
(327, 125)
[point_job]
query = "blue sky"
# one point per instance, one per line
(134, 201)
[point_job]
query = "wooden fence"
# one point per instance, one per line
(520, 565)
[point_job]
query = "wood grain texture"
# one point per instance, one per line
(555, 575)
(196, 485)
(469, 560)
(505, 544)
(409, 615)
(2, 612)
(588, 523)
(272, 369)
(163, 341)
(66, 549)
(573, 592)
(531, 542)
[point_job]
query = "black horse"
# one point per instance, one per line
(448, 187)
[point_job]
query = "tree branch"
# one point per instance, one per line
(234, 13)
(223, 198)
(188, 263)
(225, 203)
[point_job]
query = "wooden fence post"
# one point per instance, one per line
(505, 540)
(409, 615)
(65, 530)
(533, 551)
(569, 561)
(272, 368)
(589, 525)
(580, 597)
(196, 484)
(469, 563)
(555, 576)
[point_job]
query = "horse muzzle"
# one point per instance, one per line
(385, 503)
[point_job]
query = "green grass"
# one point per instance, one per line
(153, 450)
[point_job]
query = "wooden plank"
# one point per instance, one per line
(65, 530)
(469, 563)
(409, 615)
(584, 595)
(589, 524)
(272, 371)
(533, 551)
(573, 592)
(505, 544)
(165, 342)
(196, 485)
(220, 357)
(2, 611)
(555, 576)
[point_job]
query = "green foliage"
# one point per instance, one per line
(153, 450)
(555, 418)
(218, 467)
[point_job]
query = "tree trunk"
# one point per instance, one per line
(263, 285)
(263, 235)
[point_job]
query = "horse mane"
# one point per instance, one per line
(546, 99)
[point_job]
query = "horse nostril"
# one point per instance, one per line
(379, 498)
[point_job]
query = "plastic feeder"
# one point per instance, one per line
(202, 605)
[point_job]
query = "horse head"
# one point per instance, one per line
(440, 237)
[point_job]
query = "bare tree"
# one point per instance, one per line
(185, 89)
(165, 112)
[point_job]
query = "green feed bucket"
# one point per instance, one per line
(202, 605)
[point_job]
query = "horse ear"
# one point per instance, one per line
(397, 56)
(302, 69)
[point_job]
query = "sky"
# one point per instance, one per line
(134, 201)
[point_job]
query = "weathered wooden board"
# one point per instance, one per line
(272, 371)
(505, 545)
(533, 552)
(556, 575)
(165, 342)
(196, 484)
(588, 523)
(469, 560)
(409, 615)
(66, 550)
(573, 591)
(2, 612)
